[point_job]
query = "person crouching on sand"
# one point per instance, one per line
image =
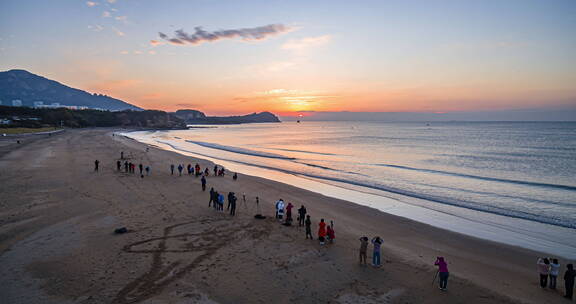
(442, 272)
(543, 265)
(321, 231)
(363, 249)
(377, 242)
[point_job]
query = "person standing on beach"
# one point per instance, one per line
(289, 213)
(96, 163)
(554, 270)
(301, 215)
(376, 242)
(172, 169)
(121, 154)
(221, 202)
(280, 209)
(442, 272)
(363, 249)
(230, 195)
(141, 167)
(206, 172)
(147, 170)
(543, 265)
(569, 276)
(308, 224)
(180, 168)
(215, 170)
(233, 204)
(126, 166)
(331, 234)
(118, 165)
(321, 231)
(188, 168)
(212, 200)
(235, 176)
(203, 181)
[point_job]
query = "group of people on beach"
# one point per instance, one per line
(130, 167)
(217, 201)
(196, 170)
(325, 233)
(549, 268)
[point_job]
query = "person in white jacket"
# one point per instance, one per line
(554, 271)
(280, 209)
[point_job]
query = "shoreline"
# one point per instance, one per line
(531, 235)
(208, 256)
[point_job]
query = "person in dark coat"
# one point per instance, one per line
(212, 197)
(569, 276)
(301, 215)
(230, 196)
(308, 223)
(96, 163)
(232, 202)
(203, 180)
(118, 165)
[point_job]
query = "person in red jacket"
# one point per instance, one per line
(331, 234)
(321, 231)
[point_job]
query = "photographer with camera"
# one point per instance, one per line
(442, 272)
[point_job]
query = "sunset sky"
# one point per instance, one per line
(232, 57)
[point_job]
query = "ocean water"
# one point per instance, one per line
(516, 182)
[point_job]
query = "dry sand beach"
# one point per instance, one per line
(57, 245)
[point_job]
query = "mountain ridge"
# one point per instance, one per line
(29, 88)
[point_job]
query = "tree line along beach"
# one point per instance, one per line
(57, 243)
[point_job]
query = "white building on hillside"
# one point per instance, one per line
(16, 103)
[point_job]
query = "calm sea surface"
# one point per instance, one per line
(523, 170)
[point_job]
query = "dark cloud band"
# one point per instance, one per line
(201, 36)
